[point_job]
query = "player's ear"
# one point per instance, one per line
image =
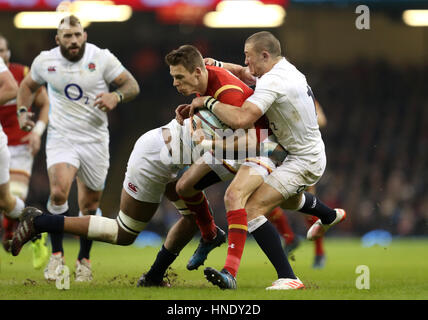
(57, 39)
(85, 35)
(8, 54)
(265, 55)
(198, 71)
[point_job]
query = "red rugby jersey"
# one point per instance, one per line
(8, 118)
(226, 88)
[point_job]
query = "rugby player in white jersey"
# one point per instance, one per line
(78, 75)
(283, 95)
(10, 204)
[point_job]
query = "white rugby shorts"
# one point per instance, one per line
(148, 171)
(296, 173)
(91, 159)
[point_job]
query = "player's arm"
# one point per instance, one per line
(243, 117)
(127, 90)
(322, 119)
(243, 73)
(41, 101)
(24, 100)
(8, 87)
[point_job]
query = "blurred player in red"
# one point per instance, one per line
(11, 205)
(279, 219)
(23, 146)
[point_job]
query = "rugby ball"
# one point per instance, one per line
(210, 123)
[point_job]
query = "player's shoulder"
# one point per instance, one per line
(94, 50)
(44, 55)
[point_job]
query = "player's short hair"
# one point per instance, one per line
(69, 21)
(264, 40)
(188, 56)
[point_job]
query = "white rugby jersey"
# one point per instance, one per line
(287, 100)
(72, 89)
(3, 68)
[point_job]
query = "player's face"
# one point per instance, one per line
(254, 60)
(4, 51)
(72, 42)
(185, 82)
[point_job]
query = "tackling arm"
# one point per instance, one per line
(243, 117)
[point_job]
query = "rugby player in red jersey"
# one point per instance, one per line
(23, 146)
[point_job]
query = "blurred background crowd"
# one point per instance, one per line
(372, 85)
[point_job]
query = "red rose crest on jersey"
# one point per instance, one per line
(91, 66)
(132, 187)
(51, 69)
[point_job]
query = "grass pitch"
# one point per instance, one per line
(397, 272)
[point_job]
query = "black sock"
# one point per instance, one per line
(163, 260)
(85, 248)
(315, 207)
(56, 242)
(57, 237)
(52, 223)
(268, 240)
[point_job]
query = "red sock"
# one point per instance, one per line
(319, 247)
(237, 221)
(9, 226)
(279, 219)
(204, 219)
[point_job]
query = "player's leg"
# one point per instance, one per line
(195, 199)
(89, 201)
(9, 204)
(261, 202)
(61, 176)
(280, 220)
(320, 257)
(19, 185)
(131, 220)
(198, 177)
(177, 238)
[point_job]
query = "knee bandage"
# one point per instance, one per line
(104, 229)
(129, 224)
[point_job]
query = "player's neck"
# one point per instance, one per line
(203, 84)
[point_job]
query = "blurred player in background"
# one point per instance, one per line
(23, 146)
(78, 75)
(10, 204)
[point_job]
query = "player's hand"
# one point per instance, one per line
(106, 101)
(34, 141)
(209, 61)
(197, 133)
(182, 112)
(25, 121)
(197, 103)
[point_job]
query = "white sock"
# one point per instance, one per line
(98, 213)
(302, 202)
(17, 210)
(57, 209)
(256, 223)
